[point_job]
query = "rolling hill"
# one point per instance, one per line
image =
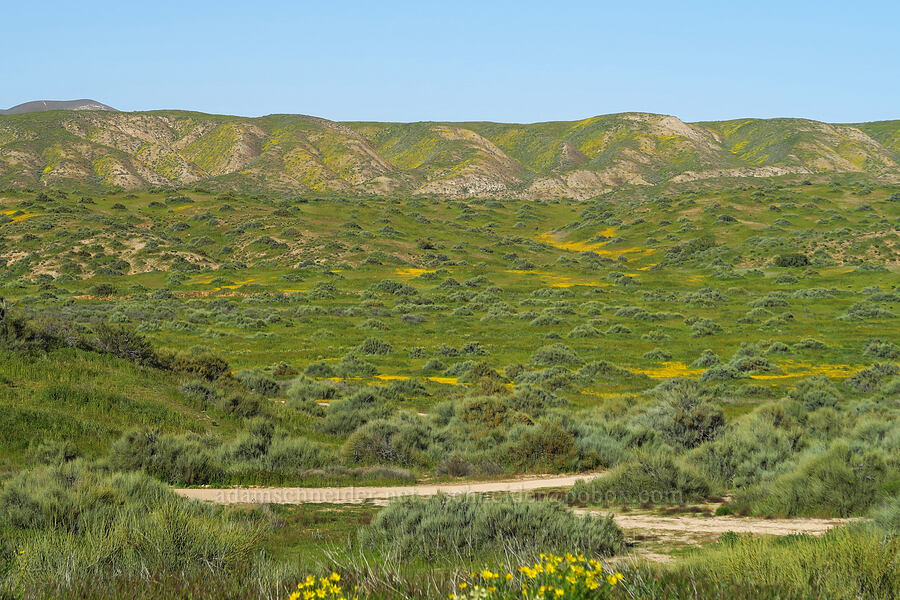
(97, 149)
(44, 105)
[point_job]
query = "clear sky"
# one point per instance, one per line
(459, 60)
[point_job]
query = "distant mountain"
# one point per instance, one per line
(296, 153)
(42, 105)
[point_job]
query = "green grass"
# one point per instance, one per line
(558, 326)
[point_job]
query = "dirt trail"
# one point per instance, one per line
(653, 535)
(715, 526)
(378, 495)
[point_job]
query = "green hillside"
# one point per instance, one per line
(289, 154)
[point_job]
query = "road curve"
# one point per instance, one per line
(378, 495)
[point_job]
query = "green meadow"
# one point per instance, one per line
(727, 347)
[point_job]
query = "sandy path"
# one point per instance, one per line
(700, 526)
(682, 530)
(378, 495)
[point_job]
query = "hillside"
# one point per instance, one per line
(291, 154)
(45, 105)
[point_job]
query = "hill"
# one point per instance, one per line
(291, 154)
(43, 105)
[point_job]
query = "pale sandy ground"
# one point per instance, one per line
(378, 495)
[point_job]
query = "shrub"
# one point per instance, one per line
(258, 382)
(846, 562)
(705, 327)
(657, 354)
(86, 525)
(839, 482)
(554, 354)
(887, 515)
(707, 359)
(745, 453)
(865, 310)
(869, 379)
(433, 364)
(651, 476)
(881, 349)
(104, 289)
(544, 446)
(203, 364)
(533, 400)
(815, 392)
(353, 366)
(791, 260)
(303, 388)
(173, 458)
(810, 344)
(375, 346)
(289, 454)
(584, 331)
(455, 466)
(685, 416)
(403, 389)
(721, 373)
(124, 343)
(319, 369)
(466, 526)
(395, 442)
(343, 416)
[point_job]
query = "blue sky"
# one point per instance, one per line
(502, 61)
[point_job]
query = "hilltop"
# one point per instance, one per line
(44, 105)
(295, 154)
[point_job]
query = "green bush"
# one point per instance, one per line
(791, 260)
(815, 392)
(870, 379)
(544, 446)
(685, 415)
(78, 522)
(846, 562)
(746, 452)
(375, 346)
(467, 526)
(344, 416)
(649, 477)
(258, 382)
(881, 349)
(403, 442)
(555, 354)
(353, 366)
(839, 482)
(205, 365)
(174, 458)
(124, 343)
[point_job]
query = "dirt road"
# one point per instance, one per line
(715, 526)
(378, 495)
(653, 530)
